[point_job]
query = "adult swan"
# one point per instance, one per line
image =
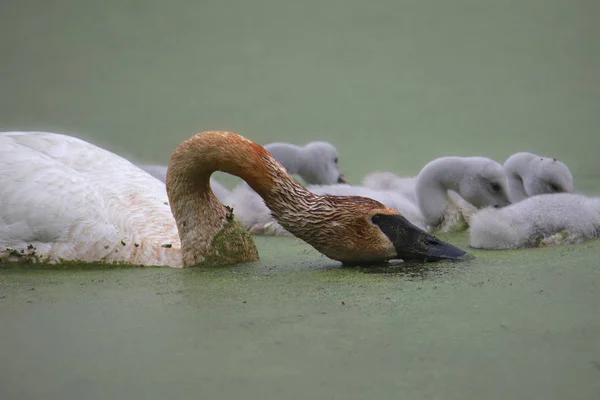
(63, 199)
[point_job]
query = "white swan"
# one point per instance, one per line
(478, 180)
(63, 199)
(316, 163)
(530, 175)
(540, 220)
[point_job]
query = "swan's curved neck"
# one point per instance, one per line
(516, 168)
(200, 216)
(433, 183)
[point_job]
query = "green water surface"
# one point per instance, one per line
(393, 84)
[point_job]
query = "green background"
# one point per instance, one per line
(392, 84)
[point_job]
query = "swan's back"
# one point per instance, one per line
(383, 180)
(72, 200)
(156, 170)
(528, 222)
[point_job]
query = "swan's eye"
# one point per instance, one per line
(496, 187)
(336, 160)
(553, 187)
(376, 218)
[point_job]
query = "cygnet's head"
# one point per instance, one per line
(484, 183)
(320, 164)
(548, 175)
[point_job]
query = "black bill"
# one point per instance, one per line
(412, 243)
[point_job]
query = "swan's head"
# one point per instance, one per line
(320, 164)
(360, 230)
(411, 242)
(484, 183)
(548, 175)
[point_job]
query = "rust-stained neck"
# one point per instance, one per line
(199, 214)
(339, 227)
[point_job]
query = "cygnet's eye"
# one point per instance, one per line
(376, 218)
(496, 187)
(553, 187)
(336, 160)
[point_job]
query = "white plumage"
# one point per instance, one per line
(315, 162)
(385, 180)
(63, 198)
(529, 175)
(547, 219)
